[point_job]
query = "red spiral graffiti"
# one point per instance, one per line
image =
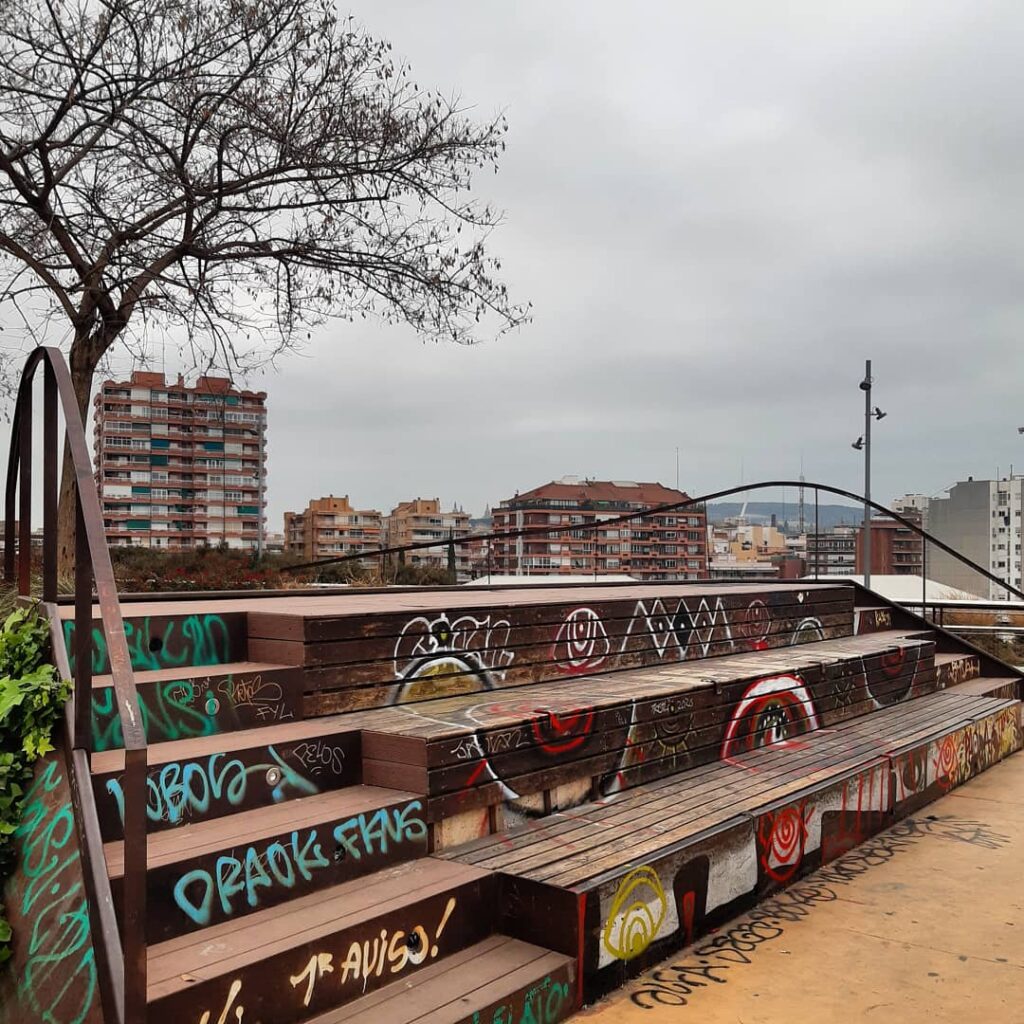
(947, 761)
(782, 837)
(558, 734)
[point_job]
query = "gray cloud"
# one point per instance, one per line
(718, 211)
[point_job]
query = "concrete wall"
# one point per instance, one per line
(964, 522)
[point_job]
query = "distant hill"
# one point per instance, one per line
(762, 511)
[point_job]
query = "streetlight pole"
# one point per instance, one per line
(866, 388)
(863, 443)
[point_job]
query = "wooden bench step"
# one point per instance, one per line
(499, 979)
(201, 700)
(227, 867)
(323, 949)
(211, 776)
(662, 863)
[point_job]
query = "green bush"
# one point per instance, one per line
(32, 698)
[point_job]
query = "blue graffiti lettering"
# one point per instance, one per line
(177, 791)
(280, 864)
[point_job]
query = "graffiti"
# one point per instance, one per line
(558, 734)
(467, 749)
(229, 1004)
(581, 644)
(280, 865)
(769, 713)
(808, 631)
(755, 625)
(58, 979)
(161, 643)
(949, 762)
(635, 915)
(180, 790)
(959, 670)
(170, 711)
(710, 962)
(316, 756)
(365, 960)
(264, 698)
(442, 657)
(541, 1004)
(781, 838)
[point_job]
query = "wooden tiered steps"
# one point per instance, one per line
(620, 882)
(465, 806)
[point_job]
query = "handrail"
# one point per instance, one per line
(657, 510)
(92, 564)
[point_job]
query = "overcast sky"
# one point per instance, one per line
(718, 211)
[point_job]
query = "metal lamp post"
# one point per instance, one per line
(863, 443)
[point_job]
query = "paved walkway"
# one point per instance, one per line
(924, 924)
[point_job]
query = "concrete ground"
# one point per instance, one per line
(924, 924)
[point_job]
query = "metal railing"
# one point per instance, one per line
(121, 956)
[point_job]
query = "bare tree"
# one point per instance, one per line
(230, 170)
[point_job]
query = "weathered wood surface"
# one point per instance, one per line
(227, 867)
(180, 704)
(52, 974)
(630, 878)
(324, 949)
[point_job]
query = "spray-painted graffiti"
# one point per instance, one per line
(781, 839)
(445, 656)
(393, 950)
(273, 868)
(637, 912)
(714, 960)
(155, 643)
(58, 977)
(581, 643)
(178, 791)
(545, 1003)
(770, 712)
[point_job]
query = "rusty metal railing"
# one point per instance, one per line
(121, 957)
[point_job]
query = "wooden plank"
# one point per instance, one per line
(279, 962)
(216, 872)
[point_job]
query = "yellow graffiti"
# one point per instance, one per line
(635, 915)
(319, 965)
(236, 987)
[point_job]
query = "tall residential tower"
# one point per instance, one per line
(180, 466)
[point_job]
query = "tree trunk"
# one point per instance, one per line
(82, 368)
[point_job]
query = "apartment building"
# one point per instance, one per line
(670, 546)
(982, 520)
(421, 521)
(329, 527)
(896, 550)
(180, 466)
(832, 552)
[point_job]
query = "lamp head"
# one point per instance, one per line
(858, 444)
(879, 415)
(865, 384)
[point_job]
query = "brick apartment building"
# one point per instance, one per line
(421, 521)
(180, 466)
(672, 546)
(895, 549)
(329, 527)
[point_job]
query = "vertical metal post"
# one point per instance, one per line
(50, 447)
(866, 386)
(924, 577)
(10, 514)
(83, 634)
(817, 535)
(133, 923)
(25, 498)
